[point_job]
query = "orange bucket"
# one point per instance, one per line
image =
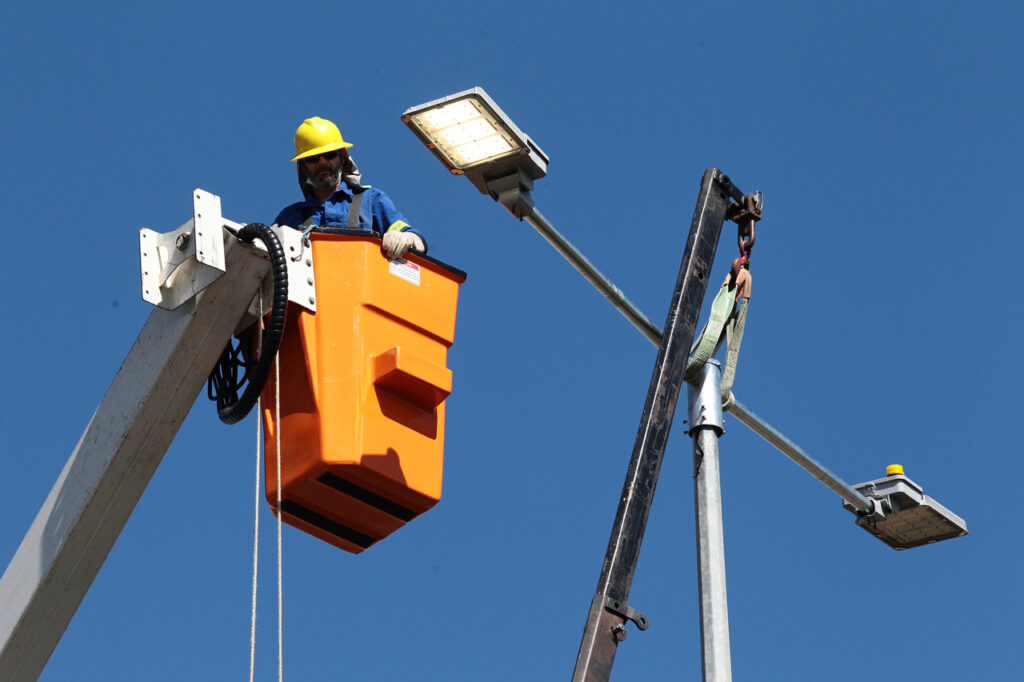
(363, 385)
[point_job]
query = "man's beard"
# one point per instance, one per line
(324, 178)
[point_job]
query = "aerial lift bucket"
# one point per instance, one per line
(363, 385)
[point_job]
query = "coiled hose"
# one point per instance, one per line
(225, 382)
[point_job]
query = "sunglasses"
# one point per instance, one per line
(330, 156)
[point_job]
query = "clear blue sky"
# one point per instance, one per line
(884, 326)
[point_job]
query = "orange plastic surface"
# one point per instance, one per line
(363, 385)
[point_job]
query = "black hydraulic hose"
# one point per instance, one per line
(231, 408)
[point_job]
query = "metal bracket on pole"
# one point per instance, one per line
(626, 612)
(705, 402)
(513, 192)
(179, 264)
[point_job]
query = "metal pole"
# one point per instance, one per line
(793, 451)
(594, 276)
(609, 609)
(705, 404)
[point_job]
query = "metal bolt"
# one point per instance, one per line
(619, 633)
(309, 281)
(309, 261)
(181, 242)
(312, 300)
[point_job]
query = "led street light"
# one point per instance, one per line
(907, 517)
(472, 136)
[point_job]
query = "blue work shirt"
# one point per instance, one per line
(376, 212)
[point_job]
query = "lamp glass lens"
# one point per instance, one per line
(449, 114)
(466, 132)
(481, 150)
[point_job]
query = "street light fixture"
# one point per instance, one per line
(905, 517)
(470, 134)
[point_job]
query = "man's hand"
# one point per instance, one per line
(397, 243)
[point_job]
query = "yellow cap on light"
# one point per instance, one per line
(894, 470)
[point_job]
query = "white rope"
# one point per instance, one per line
(256, 516)
(255, 544)
(280, 601)
(256, 523)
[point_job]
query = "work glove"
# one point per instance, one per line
(397, 243)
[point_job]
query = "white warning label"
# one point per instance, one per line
(407, 270)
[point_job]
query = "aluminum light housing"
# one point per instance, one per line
(470, 134)
(908, 518)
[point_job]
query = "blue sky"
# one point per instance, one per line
(884, 325)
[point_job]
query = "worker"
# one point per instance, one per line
(334, 195)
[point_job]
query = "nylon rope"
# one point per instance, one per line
(255, 545)
(256, 522)
(256, 515)
(280, 581)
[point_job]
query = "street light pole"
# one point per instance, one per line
(706, 426)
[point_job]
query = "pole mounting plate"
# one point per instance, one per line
(177, 265)
(171, 271)
(625, 611)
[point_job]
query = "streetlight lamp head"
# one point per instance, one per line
(470, 134)
(904, 516)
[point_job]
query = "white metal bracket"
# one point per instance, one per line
(301, 280)
(179, 264)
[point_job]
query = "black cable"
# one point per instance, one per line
(225, 382)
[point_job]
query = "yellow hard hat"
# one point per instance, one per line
(317, 135)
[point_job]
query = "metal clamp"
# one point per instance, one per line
(513, 192)
(627, 612)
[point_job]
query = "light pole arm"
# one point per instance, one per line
(795, 453)
(594, 276)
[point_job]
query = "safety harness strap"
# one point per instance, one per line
(353, 209)
(353, 213)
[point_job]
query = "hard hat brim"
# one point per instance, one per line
(322, 150)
